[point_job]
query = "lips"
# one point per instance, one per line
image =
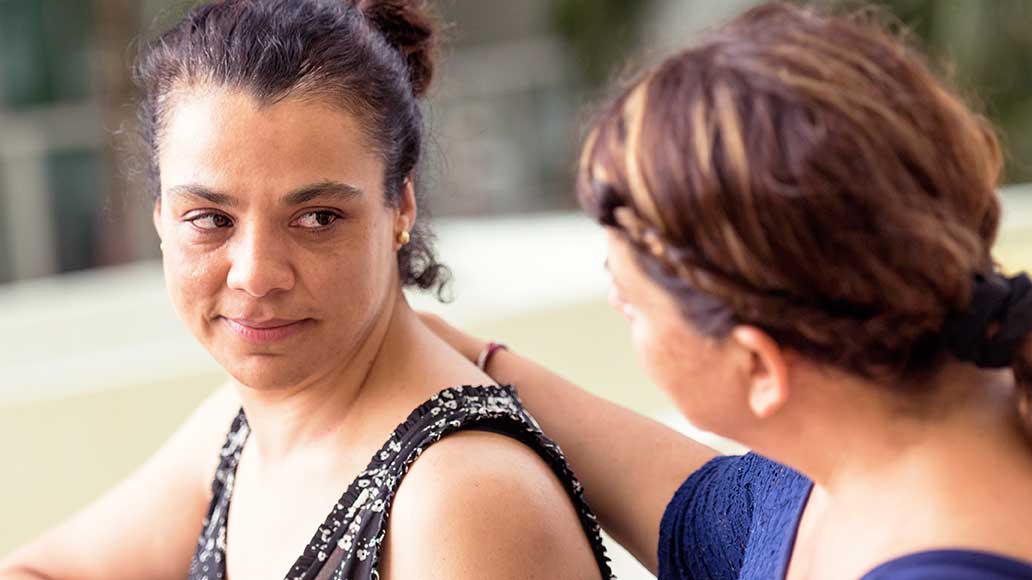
(265, 331)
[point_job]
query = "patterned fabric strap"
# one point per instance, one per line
(347, 544)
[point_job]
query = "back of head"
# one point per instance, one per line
(804, 173)
(371, 58)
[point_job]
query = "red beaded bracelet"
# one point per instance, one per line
(489, 351)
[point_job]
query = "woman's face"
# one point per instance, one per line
(694, 370)
(279, 251)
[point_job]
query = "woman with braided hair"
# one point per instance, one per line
(284, 138)
(800, 218)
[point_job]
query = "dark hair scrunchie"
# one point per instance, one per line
(999, 319)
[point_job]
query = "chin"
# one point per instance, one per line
(267, 372)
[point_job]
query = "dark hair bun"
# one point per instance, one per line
(410, 27)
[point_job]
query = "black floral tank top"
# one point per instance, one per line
(347, 545)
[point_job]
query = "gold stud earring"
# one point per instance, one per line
(404, 237)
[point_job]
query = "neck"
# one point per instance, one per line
(321, 413)
(856, 435)
(890, 481)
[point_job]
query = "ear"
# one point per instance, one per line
(407, 210)
(767, 370)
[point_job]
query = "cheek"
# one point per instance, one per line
(353, 274)
(690, 369)
(340, 283)
(366, 253)
(660, 349)
(191, 278)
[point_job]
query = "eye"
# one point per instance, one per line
(210, 221)
(315, 220)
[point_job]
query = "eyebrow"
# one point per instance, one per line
(331, 189)
(305, 194)
(196, 190)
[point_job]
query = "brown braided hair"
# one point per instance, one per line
(805, 173)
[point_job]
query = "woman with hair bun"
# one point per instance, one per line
(284, 140)
(800, 220)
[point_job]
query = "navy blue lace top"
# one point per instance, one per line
(736, 519)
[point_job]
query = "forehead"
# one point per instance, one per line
(228, 140)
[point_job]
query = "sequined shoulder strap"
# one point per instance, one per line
(348, 544)
(209, 558)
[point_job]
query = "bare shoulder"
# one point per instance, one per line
(205, 431)
(192, 451)
(477, 505)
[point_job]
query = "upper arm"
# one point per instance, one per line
(480, 505)
(147, 525)
(630, 465)
(706, 525)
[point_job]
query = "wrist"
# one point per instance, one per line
(487, 353)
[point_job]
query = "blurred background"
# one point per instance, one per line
(95, 371)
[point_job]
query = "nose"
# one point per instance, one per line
(260, 264)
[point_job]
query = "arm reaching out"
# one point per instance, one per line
(629, 464)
